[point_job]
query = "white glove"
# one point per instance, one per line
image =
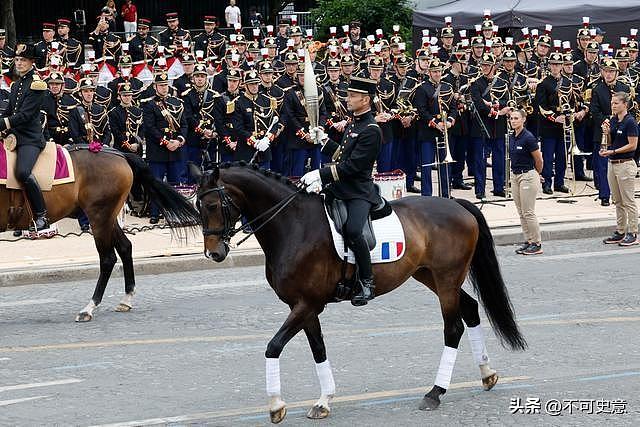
(312, 133)
(312, 182)
(320, 135)
(262, 144)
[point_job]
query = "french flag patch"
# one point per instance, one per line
(389, 250)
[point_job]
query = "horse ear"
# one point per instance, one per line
(195, 171)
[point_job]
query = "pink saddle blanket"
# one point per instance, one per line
(46, 173)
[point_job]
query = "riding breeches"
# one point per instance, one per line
(357, 217)
(27, 157)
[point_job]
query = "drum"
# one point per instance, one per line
(392, 184)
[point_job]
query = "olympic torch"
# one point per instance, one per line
(311, 93)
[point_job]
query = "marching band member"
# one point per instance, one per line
(165, 135)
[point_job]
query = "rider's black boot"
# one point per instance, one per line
(366, 293)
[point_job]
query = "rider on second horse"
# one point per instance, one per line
(350, 177)
(23, 120)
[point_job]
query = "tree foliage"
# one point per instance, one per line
(372, 14)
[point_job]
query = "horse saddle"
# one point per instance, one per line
(53, 167)
(337, 210)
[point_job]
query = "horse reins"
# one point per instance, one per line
(227, 231)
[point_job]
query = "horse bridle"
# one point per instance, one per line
(226, 203)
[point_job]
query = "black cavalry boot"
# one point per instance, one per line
(366, 293)
(36, 200)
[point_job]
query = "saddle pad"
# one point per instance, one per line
(390, 243)
(53, 167)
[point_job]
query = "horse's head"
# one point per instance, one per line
(218, 212)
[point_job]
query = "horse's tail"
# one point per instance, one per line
(177, 210)
(489, 285)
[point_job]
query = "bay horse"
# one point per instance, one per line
(446, 239)
(102, 183)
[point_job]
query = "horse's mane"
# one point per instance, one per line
(276, 177)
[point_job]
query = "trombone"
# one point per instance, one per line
(570, 142)
(440, 145)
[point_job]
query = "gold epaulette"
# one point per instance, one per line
(231, 107)
(38, 84)
(186, 92)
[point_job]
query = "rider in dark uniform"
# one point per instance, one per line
(211, 41)
(22, 119)
(350, 176)
(173, 35)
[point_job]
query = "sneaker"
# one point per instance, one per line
(614, 238)
(533, 249)
(521, 249)
(630, 239)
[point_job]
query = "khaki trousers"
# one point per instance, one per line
(525, 188)
(621, 177)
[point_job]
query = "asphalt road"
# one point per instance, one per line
(192, 351)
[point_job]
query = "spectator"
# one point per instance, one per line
(232, 14)
(109, 12)
(129, 14)
(255, 18)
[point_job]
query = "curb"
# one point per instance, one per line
(250, 258)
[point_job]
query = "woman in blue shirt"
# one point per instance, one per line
(526, 166)
(622, 139)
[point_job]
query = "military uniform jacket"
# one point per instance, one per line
(107, 46)
(59, 112)
(102, 97)
(600, 106)
(42, 51)
(350, 177)
(589, 72)
(199, 112)
(463, 121)
(93, 117)
(384, 102)
(429, 109)
(126, 126)
(72, 52)
(6, 57)
(157, 127)
(285, 82)
(183, 83)
(251, 117)
(220, 81)
(137, 46)
(168, 38)
(223, 108)
(484, 89)
(22, 116)
(296, 119)
(210, 43)
(548, 94)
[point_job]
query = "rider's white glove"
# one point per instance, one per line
(262, 144)
(318, 134)
(312, 182)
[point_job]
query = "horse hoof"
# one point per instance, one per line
(278, 415)
(123, 308)
(429, 403)
(318, 412)
(83, 317)
(489, 382)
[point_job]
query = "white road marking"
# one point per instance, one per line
(589, 254)
(36, 385)
(2, 359)
(24, 399)
(225, 413)
(28, 302)
(257, 283)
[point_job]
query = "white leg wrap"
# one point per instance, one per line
(445, 370)
(273, 377)
(476, 340)
(127, 299)
(325, 376)
(89, 308)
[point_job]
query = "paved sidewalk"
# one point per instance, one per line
(156, 251)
